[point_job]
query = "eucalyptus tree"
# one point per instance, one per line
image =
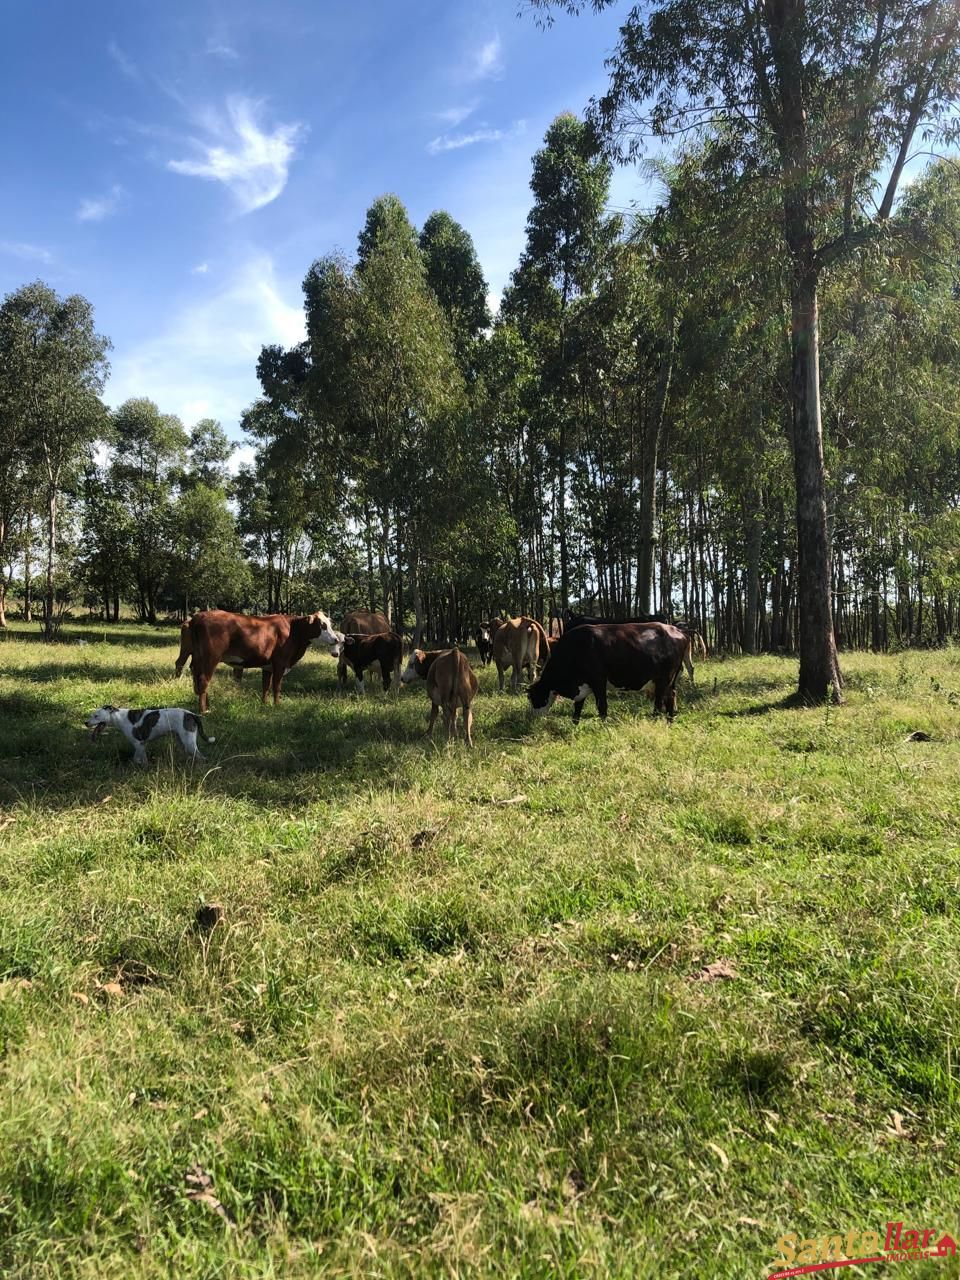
(384, 370)
(567, 230)
(149, 451)
(52, 355)
(822, 98)
(456, 278)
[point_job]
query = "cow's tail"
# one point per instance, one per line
(202, 731)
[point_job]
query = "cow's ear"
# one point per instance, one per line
(419, 654)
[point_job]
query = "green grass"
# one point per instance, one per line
(448, 1024)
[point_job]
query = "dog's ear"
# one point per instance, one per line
(111, 708)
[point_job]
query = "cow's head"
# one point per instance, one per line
(415, 669)
(484, 634)
(541, 696)
(320, 630)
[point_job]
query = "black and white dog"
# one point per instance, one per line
(141, 727)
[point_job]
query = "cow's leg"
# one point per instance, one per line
(266, 676)
(385, 674)
(434, 708)
(500, 675)
(578, 708)
(342, 673)
(600, 697)
(360, 687)
(279, 672)
(515, 679)
(450, 721)
(468, 723)
(671, 700)
(200, 682)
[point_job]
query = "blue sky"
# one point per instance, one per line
(181, 164)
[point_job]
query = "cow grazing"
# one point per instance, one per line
(626, 655)
(274, 644)
(360, 652)
(697, 645)
(451, 683)
(520, 642)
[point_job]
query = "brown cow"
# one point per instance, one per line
(520, 642)
(274, 644)
(451, 683)
(360, 652)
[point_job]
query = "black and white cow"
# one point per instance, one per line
(627, 655)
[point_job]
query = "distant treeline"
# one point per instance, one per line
(618, 436)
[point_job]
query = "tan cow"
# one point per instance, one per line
(451, 683)
(520, 642)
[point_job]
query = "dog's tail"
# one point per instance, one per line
(202, 731)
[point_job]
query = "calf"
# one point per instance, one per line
(360, 652)
(520, 642)
(451, 683)
(627, 655)
(483, 638)
(274, 644)
(361, 622)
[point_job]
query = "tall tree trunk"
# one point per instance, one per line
(752, 578)
(648, 482)
(51, 556)
(820, 676)
(28, 570)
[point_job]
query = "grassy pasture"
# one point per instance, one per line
(450, 1022)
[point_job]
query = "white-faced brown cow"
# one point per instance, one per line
(274, 643)
(519, 643)
(627, 655)
(451, 683)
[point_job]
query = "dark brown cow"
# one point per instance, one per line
(361, 622)
(628, 655)
(360, 652)
(274, 644)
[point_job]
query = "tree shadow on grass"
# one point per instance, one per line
(47, 672)
(160, 637)
(790, 702)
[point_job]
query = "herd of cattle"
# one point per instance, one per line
(589, 654)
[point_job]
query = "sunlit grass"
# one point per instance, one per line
(449, 1022)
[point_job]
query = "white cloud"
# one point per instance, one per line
(26, 252)
(454, 142)
(487, 61)
(220, 49)
(200, 269)
(243, 455)
(454, 115)
(252, 162)
(95, 210)
(203, 362)
(125, 64)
